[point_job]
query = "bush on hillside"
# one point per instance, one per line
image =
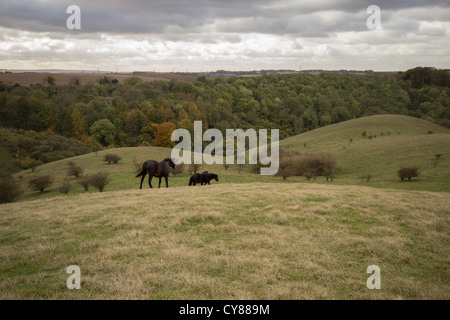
(65, 187)
(179, 168)
(112, 158)
(307, 165)
(74, 170)
(99, 180)
(40, 183)
(408, 173)
(193, 168)
(10, 189)
(85, 182)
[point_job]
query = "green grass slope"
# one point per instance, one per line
(122, 175)
(228, 241)
(381, 157)
(400, 141)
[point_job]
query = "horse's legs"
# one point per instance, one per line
(159, 182)
(142, 180)
(150, 180)
(167, 181)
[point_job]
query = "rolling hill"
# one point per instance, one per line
(247, 236)
(380, 157)
(395, 141)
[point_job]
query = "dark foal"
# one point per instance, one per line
(156, 169)
(202, 178)
(207, 177)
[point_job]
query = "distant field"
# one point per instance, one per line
(228, 241)
(85, 78)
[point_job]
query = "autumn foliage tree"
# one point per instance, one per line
(135, 120)
(164, 133)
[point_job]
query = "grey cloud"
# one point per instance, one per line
(139, 16)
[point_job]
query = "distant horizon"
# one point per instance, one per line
(92, 71)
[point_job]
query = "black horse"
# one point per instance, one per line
(207, 177)
(156, 169)
(202, 178)
(196, 178)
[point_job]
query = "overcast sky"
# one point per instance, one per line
(208, 35)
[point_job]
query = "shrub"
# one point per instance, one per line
(437, 157)
(137, 165)
(29, 163)
(179, 168)
(240, 167)
(286, 167)
(307, 165)
(10, 189)
(99, 180)
(65, 187)
(226, 166)
(40, 183)
(312, 165)
(74, 170)
(114, 158)
(408, 173)
(84, 181)
(309, 174)
(193, 168)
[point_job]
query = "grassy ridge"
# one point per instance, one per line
(384, 155)
(229, 241)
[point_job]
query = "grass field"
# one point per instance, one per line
(27, 78)
(228, 241)
(247, 236)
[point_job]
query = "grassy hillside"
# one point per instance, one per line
(247, 236)
(123, 174)
(381, 157)
(18, 145)
(400, 141)
(228, 241)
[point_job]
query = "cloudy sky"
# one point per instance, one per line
(207, 35)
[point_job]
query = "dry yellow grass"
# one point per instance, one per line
(233, 241)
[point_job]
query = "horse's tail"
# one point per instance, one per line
(142, 173)
(191, 181)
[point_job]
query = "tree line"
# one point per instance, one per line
(133, 113)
